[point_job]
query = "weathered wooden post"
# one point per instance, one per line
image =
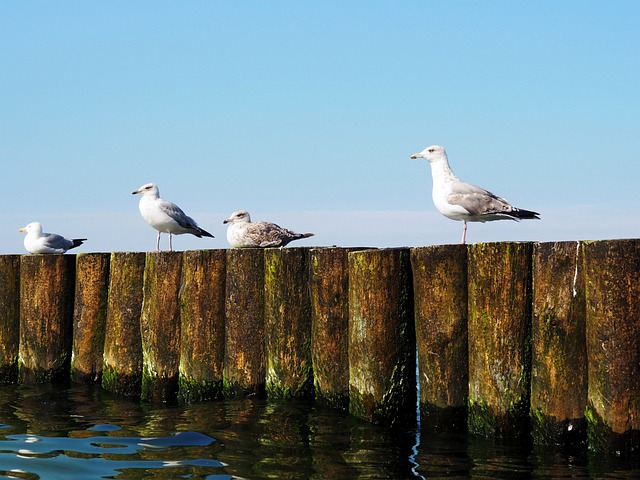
(122, 367)
(499, 338)
(440, 292)
(559, 356)
(612, 273)
(382, 348)
(46, 317)
(329, 292)
(160, 327)
(287, 311)
(89, 316)
(9, 317)
(244, 358)
(202, 317)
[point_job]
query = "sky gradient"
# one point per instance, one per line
(306, 114)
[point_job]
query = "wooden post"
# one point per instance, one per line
(382, 361)
(89, 316)
(499, 338)
(244, 364)
(9, 317)
(202, 317)
(122, 368)
(440, 292)
(612, 272)
(559, 356)
(160, 327)
(46, 317)
(288, 323)
(329, 292)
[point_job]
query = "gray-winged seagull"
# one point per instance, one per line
(165, 216)
(37, 241)
(463, 201)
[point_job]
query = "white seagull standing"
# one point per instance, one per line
(165, 216)
(243, 233)
(463, 201)
(37, 241)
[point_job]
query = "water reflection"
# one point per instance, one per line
(86, 433)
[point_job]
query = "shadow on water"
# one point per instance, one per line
(83, 432)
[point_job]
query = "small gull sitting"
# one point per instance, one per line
(165, 216)
(37, 241)
(243, 233)
(463, 201)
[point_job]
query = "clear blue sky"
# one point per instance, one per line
(306, 114)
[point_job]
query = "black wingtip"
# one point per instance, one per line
(525, 215)
(76, 242)
(204, 233)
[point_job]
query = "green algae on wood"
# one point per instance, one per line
(382, 362)
(46, 317)
(9, 317)
(440, 292)
(244, 361)
(202, 317)
(499, 296)
(160, 327)
(559, 356)
(287, 312)
(89, 316)
(122, 367)
(612, 270)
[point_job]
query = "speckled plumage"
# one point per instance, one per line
(243, 233)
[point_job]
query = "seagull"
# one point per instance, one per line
(459, 200)
(165, 216)
(243, 233)
(38, 242)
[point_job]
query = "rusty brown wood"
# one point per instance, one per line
(559, 356)
(122, 367)
(244, 361)
(612, 270)
(499, 308)
(287, 313)
(9, 317)
(382, 361)
(440, 292)
(90, 316)
(202, 317)
(329, 292)
(46, 317)
(160, 327)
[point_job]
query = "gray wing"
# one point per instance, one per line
(177, 214)
(477, 200)
(57, 242)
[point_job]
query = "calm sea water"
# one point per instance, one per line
(84, 433)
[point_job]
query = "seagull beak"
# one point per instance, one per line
(415, 155)
(226, 221)
(135, 191)
(22, 230)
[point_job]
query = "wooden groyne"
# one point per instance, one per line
(510, 339)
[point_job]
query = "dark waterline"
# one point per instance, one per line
(56, 433)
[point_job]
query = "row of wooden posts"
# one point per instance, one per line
(511, 338)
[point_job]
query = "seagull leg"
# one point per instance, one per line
(170, 242)
(158, 243)
(464, 233)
